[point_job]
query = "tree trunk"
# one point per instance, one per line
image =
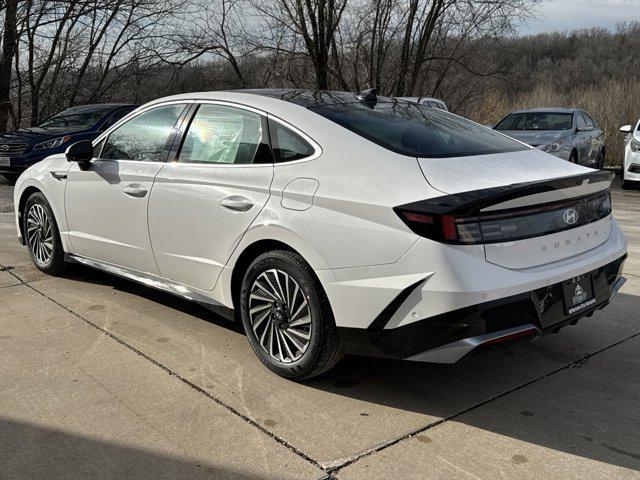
(8, 48)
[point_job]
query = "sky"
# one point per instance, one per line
(561, 15)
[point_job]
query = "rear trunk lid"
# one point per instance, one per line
(527, 208)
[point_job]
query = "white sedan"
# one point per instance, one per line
(631, 163)
(332, 223)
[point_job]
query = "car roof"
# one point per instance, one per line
(417, 99)
(102, 106)
(547, 110)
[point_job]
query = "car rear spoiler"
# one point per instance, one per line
(472, 202)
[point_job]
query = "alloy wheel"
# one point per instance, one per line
(280, 315)
(39, 233)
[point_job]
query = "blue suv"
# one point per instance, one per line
(21, 149)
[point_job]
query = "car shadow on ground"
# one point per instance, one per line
(583, 410)
(31, 451)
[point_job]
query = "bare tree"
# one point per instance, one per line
(313, 21)
(9, 41)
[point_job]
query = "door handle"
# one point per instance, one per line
(135, 190)
(236, 203)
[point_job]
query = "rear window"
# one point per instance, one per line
(536, 121)
(417, 130)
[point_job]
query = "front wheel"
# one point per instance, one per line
(600, 160)
(287, 317)
(41, 235)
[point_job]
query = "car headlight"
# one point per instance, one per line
(553, 147)
(635, 145)
(56, 142)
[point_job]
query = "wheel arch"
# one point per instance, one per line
(24, 196)
(248, 255)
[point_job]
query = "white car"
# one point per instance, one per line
(332, 223)
(631, 164)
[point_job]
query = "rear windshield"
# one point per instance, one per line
(417, 130)
(536, 121)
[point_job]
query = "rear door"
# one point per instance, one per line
(204, 200)
(106, 204)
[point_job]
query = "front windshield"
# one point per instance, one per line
(73, 119)
(536, 121)
(417, 130)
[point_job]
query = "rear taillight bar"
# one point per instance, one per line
(507, 225)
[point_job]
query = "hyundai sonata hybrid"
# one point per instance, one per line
(332, 223)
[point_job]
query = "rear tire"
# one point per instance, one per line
(573, 158)
(287, 317)
(41, 235)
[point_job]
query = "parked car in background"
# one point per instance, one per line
(21, 149)
(427, 102)
(334, 222)
(568, 133)
(631, 162)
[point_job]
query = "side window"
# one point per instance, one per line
(144, 137)
(288, 145)
(580, 122)
(221, 134)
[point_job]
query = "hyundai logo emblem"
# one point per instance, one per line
(4, 148)
(570, 216)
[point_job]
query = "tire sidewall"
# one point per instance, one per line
(57, 252)
(318, 317)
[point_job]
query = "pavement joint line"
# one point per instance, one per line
(332, 469)
(184, 380)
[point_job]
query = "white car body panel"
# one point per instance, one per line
(105, 223)
(462, 174)
(334, 208)
(193, 236)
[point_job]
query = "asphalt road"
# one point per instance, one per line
(103, 378)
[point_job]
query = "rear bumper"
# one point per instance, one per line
(448, 337)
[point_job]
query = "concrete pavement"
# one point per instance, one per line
(103, 378)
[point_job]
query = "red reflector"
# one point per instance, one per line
(418, 217)
(449, 230)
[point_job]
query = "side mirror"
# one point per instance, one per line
(626, 129)
(80, 152)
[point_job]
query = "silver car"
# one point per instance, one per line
(427, 102)
(568, 133)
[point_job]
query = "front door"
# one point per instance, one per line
(106, 204)
(202, 204)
